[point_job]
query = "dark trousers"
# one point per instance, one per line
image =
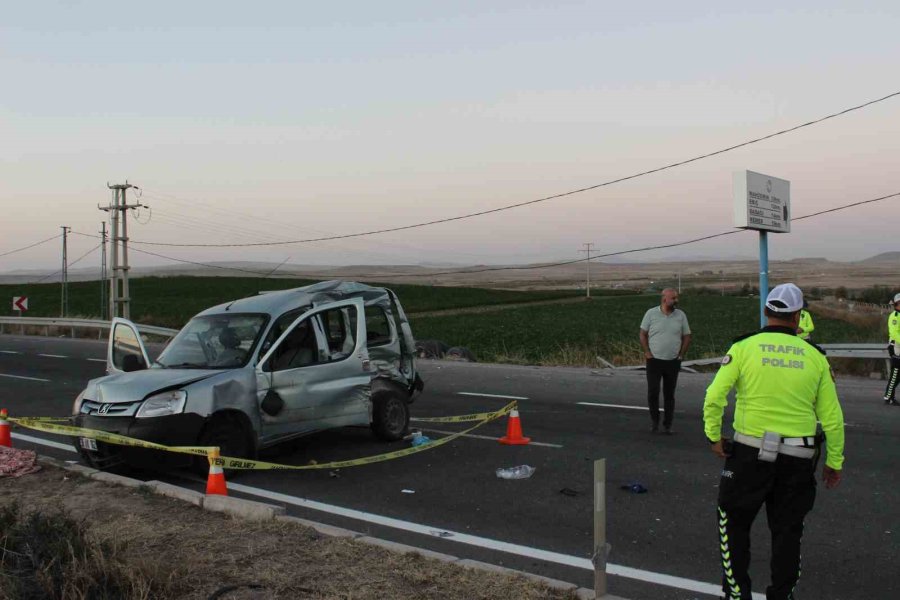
(667, 370)
(788, 489)
(893, 377)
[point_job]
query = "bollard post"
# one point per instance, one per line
(599, 559)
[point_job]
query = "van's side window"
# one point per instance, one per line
(339, 325)
(279, 326)
(378, 328)
(299, 348)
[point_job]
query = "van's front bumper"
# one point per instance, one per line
(170, 430)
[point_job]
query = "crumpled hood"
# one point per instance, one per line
(137, 385)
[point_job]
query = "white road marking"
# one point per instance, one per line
(614, 405)
(53, 355)
(43, 442)
(462, 538)
(487, 437)
(103, 360)
(23, 377)
(9, 352)
(492, 396)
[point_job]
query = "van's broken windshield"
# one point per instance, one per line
(224, 341)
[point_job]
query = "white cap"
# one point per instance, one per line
(896, 298)
(788, 296)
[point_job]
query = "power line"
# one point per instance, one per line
(400, 247)
(524, 267)
(83, 256)
(544, 199)
(191, 262)
(32, 245)
(623, 252)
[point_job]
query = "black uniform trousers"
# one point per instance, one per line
(788, 489)
(667, 371)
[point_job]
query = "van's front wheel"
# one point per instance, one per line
(390, 415)
(229, 433)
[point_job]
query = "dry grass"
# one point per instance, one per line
(176, 550)
(51, 555)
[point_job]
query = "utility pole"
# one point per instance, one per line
(588, 246)
(103, 284)
(119, 300)
(64, 274)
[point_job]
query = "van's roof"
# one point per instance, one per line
(276, 303)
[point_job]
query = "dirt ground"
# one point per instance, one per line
(189, 553)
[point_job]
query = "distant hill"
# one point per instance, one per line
(893, 257)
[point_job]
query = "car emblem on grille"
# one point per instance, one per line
(104, 409)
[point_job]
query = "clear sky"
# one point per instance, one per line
(256, 121)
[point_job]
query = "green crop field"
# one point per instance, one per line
(572, 333)
(576, 333)
(171, 301)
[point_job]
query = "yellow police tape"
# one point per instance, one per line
(44, 424)
(455, 419)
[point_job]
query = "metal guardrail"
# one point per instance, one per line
(856, 350)
(840, 350)
(72, 324)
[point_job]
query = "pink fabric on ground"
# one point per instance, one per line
(15, 463)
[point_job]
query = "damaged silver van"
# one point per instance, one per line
(252, 373)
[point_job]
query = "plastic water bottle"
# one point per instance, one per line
(520, 472)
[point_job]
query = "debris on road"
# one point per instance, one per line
(520, 472)
(634, 488)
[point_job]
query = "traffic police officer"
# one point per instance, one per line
(805, 329)
(894, 351)
(784, 385)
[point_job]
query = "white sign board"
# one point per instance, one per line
(762, 202)
(20, 303)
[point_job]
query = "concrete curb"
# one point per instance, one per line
(50, 461)
(117, 479)
(551, 583)
(80, 469)
(326, 530)
(405, 549)
(173, 491)
(244, 509)
(259, 511)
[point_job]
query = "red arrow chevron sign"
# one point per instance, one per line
(20, 303)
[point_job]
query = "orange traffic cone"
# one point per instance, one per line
(5, 438)
(215, 484)
(513, 435)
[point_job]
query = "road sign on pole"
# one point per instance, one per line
(20, 303)
(762, 202)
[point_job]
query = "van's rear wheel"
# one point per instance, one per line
(390, 415)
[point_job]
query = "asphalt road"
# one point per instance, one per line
(460, 507)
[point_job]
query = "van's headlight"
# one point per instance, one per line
(76, 406)
(167, 403)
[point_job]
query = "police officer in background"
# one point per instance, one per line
(894, 351)
(805, 329)
(784, 385)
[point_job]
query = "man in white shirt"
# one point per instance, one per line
(665, 337)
